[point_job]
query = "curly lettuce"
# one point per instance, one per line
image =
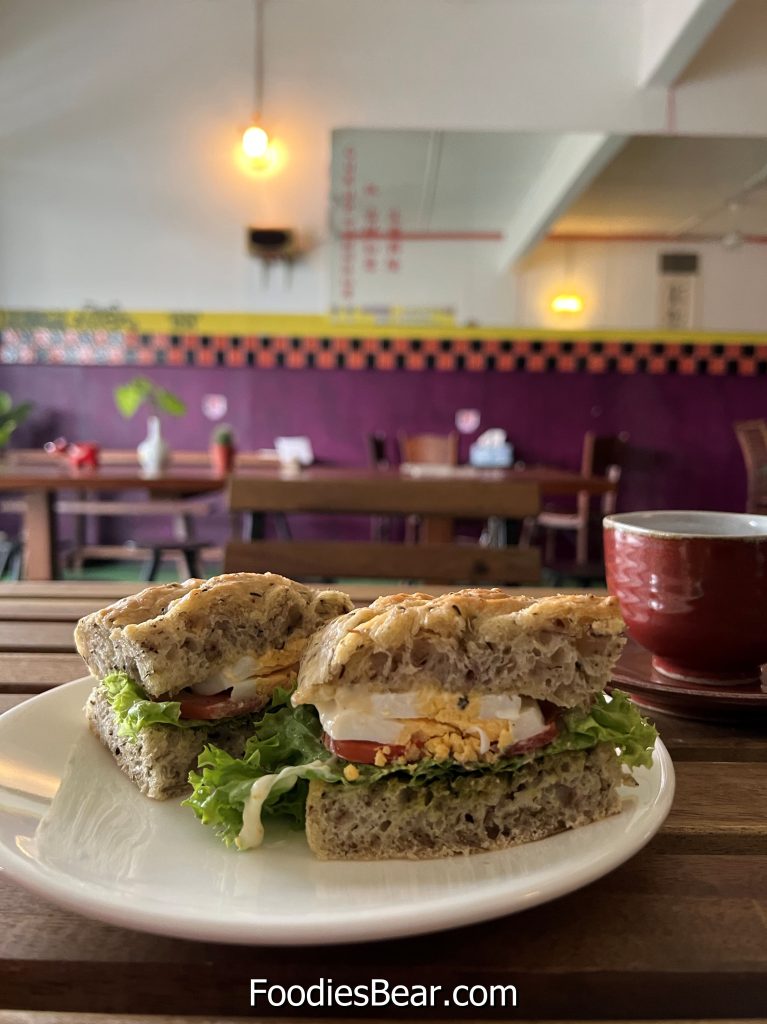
(612, 720)
(292, 737)
(285, 737)
(134, 711)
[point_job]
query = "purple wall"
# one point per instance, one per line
(684, 450)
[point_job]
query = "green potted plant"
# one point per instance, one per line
(153, 453)
(11, 416)
(222, 449)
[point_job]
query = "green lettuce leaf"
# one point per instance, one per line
(289, 736)
(610, 720)
(134, 711)
(286, 737)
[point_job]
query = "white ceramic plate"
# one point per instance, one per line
(75, 830)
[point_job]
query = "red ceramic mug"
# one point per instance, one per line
(692, 588)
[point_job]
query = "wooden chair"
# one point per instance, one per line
(435, 450)
(433, 562)
(378, 458)
(438, 449)
(601, 456)
(377, 451)
(752, 438)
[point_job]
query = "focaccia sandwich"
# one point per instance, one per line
(181, 665)
(425, 727)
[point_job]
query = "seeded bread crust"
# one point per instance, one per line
(172, 636)
(467, 814)
(560, 648)
(160, 759)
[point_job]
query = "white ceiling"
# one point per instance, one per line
(478, 181)
(441, 181)
(675, 185)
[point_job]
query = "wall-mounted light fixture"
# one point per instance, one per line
(256, 144)
(568, 300)
(567, 303)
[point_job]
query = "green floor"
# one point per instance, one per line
(168, 572)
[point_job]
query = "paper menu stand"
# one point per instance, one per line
(294, 451)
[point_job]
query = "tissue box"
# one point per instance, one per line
(491, 456)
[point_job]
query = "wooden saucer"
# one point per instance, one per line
(635, 674)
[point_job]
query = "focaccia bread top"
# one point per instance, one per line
(176, 635)
(559, 648)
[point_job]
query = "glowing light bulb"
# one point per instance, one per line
(255, 142)
(567, 304)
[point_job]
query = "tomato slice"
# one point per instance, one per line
(533, 742)
(364, 751)
(361, 751)
(209, 707)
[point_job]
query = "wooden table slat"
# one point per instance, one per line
(718, 807)
(56, 590)
(32, 636)
(38, 609)
(31, 673)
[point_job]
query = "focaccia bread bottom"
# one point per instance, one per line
(160, 759)
(464, 814)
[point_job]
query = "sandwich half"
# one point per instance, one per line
(426, 727)
(185, 664)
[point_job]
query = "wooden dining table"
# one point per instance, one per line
(677, 932)
(347, 489)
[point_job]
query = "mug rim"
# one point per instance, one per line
(640, 523)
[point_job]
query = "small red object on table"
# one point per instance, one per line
(81, 454)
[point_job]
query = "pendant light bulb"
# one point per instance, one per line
(255, 142)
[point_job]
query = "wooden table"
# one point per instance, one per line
(40, 484)
(316, 490)
(678, 932)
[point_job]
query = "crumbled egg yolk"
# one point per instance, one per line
(460, 742)
(431, 722)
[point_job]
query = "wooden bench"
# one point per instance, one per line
(438, 562)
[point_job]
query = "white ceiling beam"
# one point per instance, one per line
(672, 33)
(574, 163)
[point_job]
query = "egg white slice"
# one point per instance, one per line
(383, 717)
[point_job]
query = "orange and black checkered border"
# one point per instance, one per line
(450, 354)
(533, 355)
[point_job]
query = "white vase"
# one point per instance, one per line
(153, 453)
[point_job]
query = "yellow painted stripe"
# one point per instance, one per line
(239, 324)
